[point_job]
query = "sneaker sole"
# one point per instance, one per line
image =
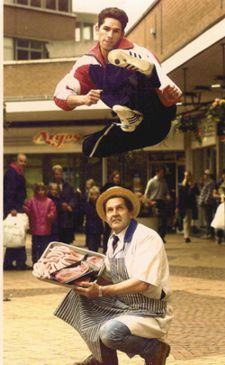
(129, 127)
(122, 59)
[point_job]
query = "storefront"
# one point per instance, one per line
(42, 133)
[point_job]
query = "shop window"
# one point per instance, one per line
(30, 50)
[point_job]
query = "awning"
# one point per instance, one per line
(46, 110)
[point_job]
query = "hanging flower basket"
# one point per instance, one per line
(216, 111)
(188, 123)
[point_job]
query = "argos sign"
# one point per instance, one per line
(56, 140)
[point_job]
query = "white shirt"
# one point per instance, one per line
(157, 188)
(145, 259)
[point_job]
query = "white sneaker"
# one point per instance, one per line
(130, 119)
(131, 60)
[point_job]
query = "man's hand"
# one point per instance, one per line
(169, 95)
(92, 97)
(66, 207)
(87, 289)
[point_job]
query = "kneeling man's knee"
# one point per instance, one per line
(113, 332)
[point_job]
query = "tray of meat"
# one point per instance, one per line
(68, 265)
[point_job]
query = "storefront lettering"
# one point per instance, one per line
(56, 140)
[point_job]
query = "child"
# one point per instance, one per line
(93, 226)
(53, 194)
(41, 212)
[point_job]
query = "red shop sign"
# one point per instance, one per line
(56, 140)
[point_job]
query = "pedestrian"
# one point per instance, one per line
(88, 185)
(187, 203)
(129, 310)
(219, 190)
(67, 206)
(219, 196)
(114, 180)
(41, 212)
(53, 194)
(207, 201)
(93, 223)
(15, 227)
(157, 195)
(127, 78)
(218, 222)
(14, 194)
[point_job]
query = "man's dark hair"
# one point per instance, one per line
(115, 13)
(127, 202)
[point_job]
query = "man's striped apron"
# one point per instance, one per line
(87, 315)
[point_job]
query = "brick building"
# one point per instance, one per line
(186, 35)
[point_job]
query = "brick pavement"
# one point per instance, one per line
(33, 336)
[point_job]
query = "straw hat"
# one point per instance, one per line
(117, 191)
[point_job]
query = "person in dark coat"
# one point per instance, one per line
(207, 202)
(14, 195)
(187, 203)
(53, 194)
(67, 206)
(93, 226)
(114, 180)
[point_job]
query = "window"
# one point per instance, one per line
(84, 32)
(87, 32)
(22, 2)
(63, 5)
(57, 5)
(8, 49)
(36, 3)
(50, 4)
(77, 34)
(30, 50)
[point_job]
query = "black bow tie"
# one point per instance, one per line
(115, 242)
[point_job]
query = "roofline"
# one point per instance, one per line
(142, 16)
